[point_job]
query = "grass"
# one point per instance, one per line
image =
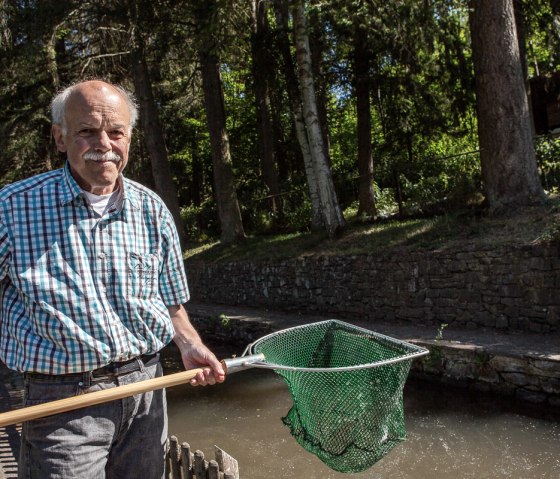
(526, 226)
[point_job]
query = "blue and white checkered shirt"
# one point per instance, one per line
(78, 291)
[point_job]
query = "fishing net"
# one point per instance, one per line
(346, 385)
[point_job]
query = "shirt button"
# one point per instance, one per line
(101, 256)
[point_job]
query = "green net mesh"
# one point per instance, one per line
(347, 390)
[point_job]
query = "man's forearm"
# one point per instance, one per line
(193, 351)
(185, 333)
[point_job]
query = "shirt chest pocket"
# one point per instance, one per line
(142, 275)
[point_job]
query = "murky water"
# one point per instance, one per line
(452, 434)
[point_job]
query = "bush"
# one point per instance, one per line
(547, 150)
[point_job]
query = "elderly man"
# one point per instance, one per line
(91, 288)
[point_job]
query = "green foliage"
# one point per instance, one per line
(201, 222)
(424, 137)
(444, 177)
(551, 232)
(547, 149)
(542, 21)
(384, 201)
(439, 335)
(221, 321)
(482, 357)
(225, 321)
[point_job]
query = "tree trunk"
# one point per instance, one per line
(281, 13)
(153, 135)
(226, 196)
(509, 168)
(331, 214)
(521, 27)
(366, 194)
(229, 213)
(317, 45)
(261, 68)
(197, 176)
(47, 149)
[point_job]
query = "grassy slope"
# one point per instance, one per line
(527, 226)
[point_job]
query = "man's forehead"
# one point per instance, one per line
(98, 120)
(91, 104)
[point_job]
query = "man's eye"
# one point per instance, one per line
(117, 133)
(85, 131)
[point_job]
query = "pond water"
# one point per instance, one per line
(452, 434)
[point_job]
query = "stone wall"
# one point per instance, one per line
(506, 288)
(531, 378)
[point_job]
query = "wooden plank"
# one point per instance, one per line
(181, 463)
(187, 461)
(168, 468)
(174, 454)
(227, 463)
(213, 470)
(200, 465)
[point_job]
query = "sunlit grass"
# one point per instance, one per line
(356, 239)
(527, 226)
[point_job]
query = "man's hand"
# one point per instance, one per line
(197, 355)
(193, 352)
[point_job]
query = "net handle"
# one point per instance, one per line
(119, 392)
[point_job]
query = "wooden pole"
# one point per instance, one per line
(119, 392)
(96, 397)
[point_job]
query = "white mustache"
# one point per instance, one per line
(108, 156)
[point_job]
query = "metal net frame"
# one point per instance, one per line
(346, 384)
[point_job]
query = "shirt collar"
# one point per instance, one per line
(71, 190)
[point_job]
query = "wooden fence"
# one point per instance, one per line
(181, 463)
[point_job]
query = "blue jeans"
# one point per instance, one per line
(121, 439)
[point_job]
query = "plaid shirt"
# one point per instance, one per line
(78, 291)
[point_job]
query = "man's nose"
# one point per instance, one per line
(103, 142)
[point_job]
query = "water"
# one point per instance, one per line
(452, 434)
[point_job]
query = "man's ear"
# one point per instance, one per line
(59, 138)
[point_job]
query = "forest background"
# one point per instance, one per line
(263, 117)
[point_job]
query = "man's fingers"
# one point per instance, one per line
(204, 378)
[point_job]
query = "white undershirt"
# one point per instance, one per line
(101, 203)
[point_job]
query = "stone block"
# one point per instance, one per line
(551, 386)
(487, 375)
(553, 315)
(540, 264)
(522, 380)
(502, 322)
(531, 396)
(506, 364)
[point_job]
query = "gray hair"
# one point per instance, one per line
(58, 105)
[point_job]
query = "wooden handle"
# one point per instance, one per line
(230, 365)
(96, 397)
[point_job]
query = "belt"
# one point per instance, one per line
(125, 367)
(112, 369)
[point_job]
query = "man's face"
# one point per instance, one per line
(96, 137)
